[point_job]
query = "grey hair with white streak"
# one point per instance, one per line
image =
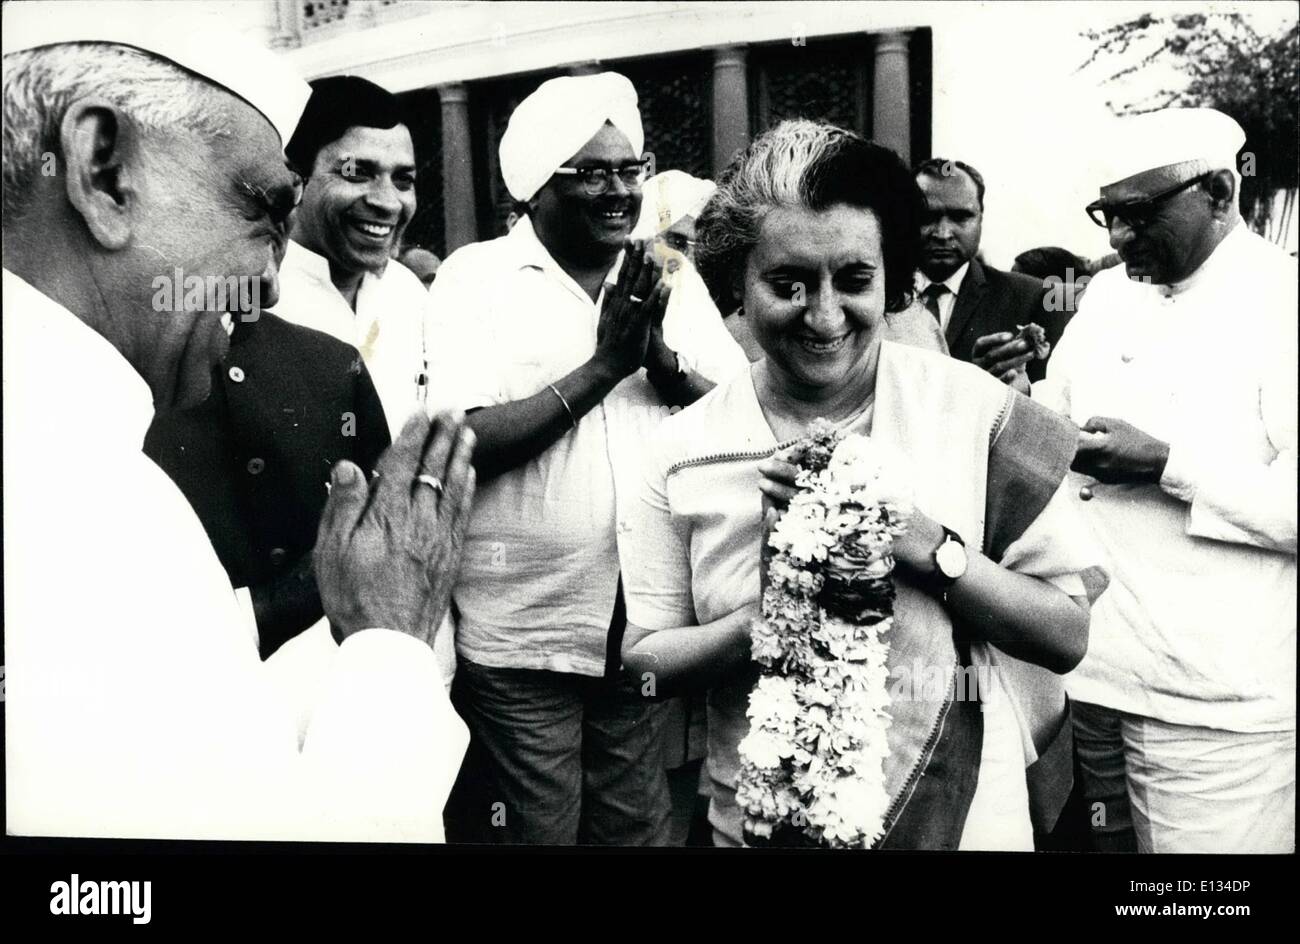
(772, 172)
(40, 84)
(815, 166)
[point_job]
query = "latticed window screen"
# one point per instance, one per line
(830, 80)
(428, 227)
(676, 111)
(318, 13)
(826, 80)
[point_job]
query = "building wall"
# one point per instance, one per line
(1006, 93)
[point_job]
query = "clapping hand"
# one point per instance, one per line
(633, 309)
(388, 551)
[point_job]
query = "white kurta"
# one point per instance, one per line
(1198, 626)
(136, 704)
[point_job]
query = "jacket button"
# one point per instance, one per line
(256, 465)
(236, 374)
(278, 554)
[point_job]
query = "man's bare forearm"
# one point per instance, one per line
(514, 433)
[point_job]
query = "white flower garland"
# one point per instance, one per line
(813, 760)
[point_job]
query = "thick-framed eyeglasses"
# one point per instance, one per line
(596, 180)
(1138, 213)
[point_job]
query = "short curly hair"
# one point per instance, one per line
(814, 165)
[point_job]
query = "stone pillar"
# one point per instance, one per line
(459, 218)
(730, 105)
(891, 97)
(288, 25)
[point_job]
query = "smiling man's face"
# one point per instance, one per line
(359, 199)
(585, 226)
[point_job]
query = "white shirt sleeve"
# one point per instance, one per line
(138, 706)
(464, 369)
(1058, 547)
(1239, 498)
(655, 556)
(383, 747)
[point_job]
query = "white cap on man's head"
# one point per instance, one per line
(669, 196)
(1161, 149)
(553, 123)
(196, 42)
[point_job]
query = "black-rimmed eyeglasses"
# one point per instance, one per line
(1135, 214)
(596, 180)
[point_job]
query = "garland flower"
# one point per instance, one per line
(812, 764)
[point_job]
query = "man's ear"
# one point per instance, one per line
(101, 153)
(1222, 188)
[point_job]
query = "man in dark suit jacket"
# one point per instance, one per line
(255, 457)
(979, 307)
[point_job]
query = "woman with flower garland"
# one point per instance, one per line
(814, 231)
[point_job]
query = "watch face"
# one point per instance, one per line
(951, 559)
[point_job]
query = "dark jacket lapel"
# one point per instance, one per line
(973, 288)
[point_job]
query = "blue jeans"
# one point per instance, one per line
(557, 759)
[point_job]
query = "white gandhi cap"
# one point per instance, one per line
(196, 42)
(1162, 149)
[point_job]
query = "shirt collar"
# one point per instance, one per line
(55, 359)
(953, 281)
(301, 259)
(530, 253)
(316, 267)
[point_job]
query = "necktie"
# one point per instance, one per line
(933, 292)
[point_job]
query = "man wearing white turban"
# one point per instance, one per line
(566, 375)
(1185, 703)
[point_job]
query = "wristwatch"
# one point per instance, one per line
(949, 560)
